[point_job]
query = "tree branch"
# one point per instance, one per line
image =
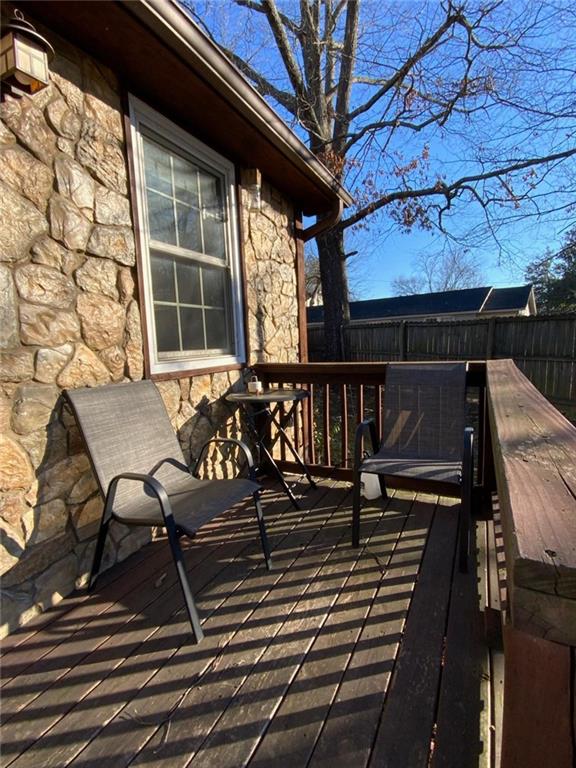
(343, 118)
(450, 190)
(427, 46)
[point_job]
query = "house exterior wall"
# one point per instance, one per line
(71, 317)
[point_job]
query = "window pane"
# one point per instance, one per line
(163, 287)
(214, 237)
(157, 167)
(213, 284)
(188, 282)
(189, 232)
(185, 181)
(161, 218)
(166, 328)
(211, 192)
(216, 330)
(192, 328)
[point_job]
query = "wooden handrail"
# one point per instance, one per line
(535, 462)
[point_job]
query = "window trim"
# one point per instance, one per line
(140, 114)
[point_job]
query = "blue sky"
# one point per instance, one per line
(542, 79)
(387, 253)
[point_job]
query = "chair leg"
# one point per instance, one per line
(183, 579)
(100, 542)
(263, 534)
(356, 501)
(383, 489)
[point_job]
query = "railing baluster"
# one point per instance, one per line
(281, 414)
(311, 426)
(378, 409)
(326, 425)
(344, 426)
(359, 403)
(297, 442)
(482, 425)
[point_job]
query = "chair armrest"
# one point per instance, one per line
(366, 426)
(226, 441)
(150, 482)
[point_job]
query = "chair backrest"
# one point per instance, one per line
(424, 410)
(126, 429)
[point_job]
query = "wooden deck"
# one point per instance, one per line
(338, 657)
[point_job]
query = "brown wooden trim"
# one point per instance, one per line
(301, 288)
(365, 373)
(538, 727)
(242, 259)
(195, 372)
(136, 226)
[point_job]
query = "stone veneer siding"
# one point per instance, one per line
(69, 317)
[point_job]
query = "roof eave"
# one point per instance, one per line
(170, 22)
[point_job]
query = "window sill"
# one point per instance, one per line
(192, 372)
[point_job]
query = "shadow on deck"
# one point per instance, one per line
(337, 657)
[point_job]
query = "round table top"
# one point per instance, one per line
(283, 395)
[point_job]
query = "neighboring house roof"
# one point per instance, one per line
(166, 60)
(502, 299)
(465, 301)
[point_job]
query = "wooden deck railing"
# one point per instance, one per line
(527, 454)
(534, 450)
(341, 396)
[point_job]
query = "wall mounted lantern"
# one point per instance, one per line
(253, 187)
(24, 56)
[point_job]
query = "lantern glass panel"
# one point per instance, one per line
(30, 60)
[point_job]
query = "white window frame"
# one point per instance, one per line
(144, 117)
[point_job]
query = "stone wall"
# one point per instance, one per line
(69, 317)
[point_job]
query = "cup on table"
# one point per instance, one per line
(255, 387)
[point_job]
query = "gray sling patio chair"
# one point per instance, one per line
(424, 438)
(143, 477)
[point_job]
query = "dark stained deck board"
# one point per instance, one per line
(73, 615)
(121, 609)
(297, 724)
(289, 635)
(112, 587)
(80, 680)
(487, 757)
(236, 639)
(352, 723)
(411, 699)
(263, 692)
(465, 694)
(300, 666)
(29, 635)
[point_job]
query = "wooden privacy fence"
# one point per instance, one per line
(543, 347)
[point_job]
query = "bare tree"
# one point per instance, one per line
(447, 270)
(420, 109)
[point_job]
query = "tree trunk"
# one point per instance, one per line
(334, 290)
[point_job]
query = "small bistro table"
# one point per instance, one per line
(268, 405)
